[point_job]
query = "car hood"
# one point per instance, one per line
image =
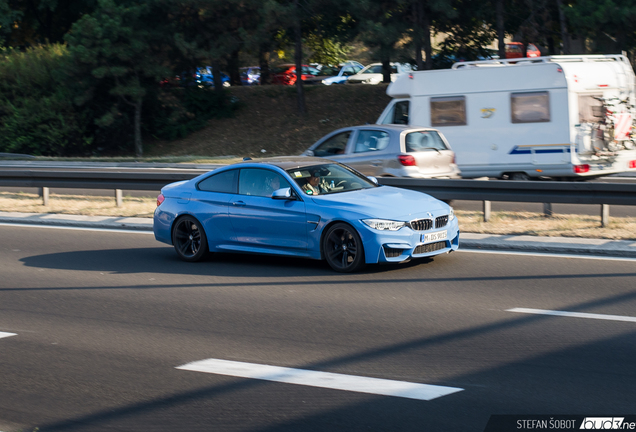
(385, 202)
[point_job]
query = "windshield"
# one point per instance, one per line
(330, 178)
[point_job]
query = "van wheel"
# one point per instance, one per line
(519, 176)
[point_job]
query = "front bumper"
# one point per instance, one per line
(406, 244)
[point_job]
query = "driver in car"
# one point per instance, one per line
(313, 185)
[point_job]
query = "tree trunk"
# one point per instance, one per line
(233, 69)
(418, 19)
(216, 77)
(139, 149)
(298, 55)
(501, 33)
(386, 71)
(263, 63)
(428, 47)
(565, 37)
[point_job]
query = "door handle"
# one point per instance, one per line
(238, 204)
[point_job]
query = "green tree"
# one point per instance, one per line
(36, 22)
(608, 24)
(119, 47)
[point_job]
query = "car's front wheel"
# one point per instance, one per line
(189, 239)
(343, 248)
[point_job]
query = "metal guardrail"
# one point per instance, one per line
(604, 194)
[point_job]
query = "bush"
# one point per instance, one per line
(37, 115)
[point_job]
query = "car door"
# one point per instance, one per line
(262, 223)
(333, 146)
(367, 151)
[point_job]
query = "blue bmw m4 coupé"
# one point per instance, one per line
(303, 207)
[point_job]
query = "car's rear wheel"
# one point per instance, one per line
(189, 239)
(343, 248)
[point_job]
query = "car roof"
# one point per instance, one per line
(393, 127)
(288, 162)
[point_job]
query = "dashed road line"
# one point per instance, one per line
(573, 314)
(328, 380)
(4, 335)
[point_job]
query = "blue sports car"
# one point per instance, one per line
(305, 207)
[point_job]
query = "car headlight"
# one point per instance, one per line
(451, 215)
(383, 224)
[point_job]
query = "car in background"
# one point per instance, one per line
(329, 74)
(389, 150)
(204, 76)
(515, 50)
(250, 75)
(372, 74)
(266, 207)
(285, 74)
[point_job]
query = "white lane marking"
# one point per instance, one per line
(4, 335)
(549, 255)
(321, 379)
(573, 314)
(127, 231)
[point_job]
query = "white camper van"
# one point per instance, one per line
(559, 117)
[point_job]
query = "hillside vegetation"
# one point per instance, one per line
(267, 122)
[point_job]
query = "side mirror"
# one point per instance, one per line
(283, 194)
(373, 179)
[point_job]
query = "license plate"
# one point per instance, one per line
(433, 237)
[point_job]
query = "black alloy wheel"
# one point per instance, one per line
(343, 248)
(189, 239)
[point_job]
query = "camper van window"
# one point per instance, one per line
(590, 108)
(401, 113)
(531, 107)
(448, 111)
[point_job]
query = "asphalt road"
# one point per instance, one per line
(93, 326)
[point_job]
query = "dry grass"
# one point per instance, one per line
(77, 205)
(559, 225)
(507, 223)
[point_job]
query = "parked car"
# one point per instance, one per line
(286, 74)
(328, 74)
(515, 50)
(389, 150)
(267, 207)
(372, 74)
(204, 76)
(250, 75)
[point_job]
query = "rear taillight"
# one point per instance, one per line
(407, 160)
(580, 169)
(160, 199)
(632, 164)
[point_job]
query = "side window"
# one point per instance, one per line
(371, 140)
(348, 71)
(532, 107)
(333, 146)
(401, 113)
(448, 111)
(224, 182)
(422, 141)
(260, 182)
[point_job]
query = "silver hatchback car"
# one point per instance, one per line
(389, 150)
